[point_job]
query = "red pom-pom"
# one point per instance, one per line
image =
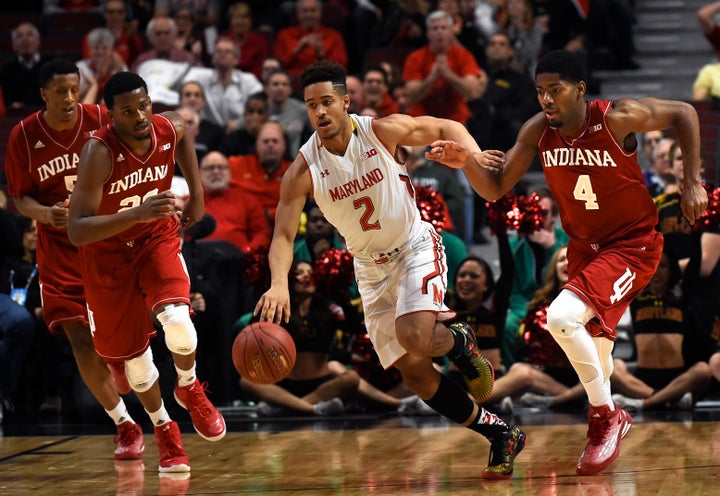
(543, 350)
(333, 272)
(431, 206)
(519, 213)
(256, 268)
(710, 218)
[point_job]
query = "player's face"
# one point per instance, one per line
(61, 97)
(562, 101)
(471, 281)
(132, 115)
(561, 267)
(326, 108)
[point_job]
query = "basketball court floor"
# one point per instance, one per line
(666, 453)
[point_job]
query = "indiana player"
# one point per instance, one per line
(122, 216)
(354, 169)
(41, 167)
(589, 155)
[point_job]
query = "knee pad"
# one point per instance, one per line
(566, 314)
(180, 334)
(141, 372)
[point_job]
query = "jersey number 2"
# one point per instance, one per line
(583, 192)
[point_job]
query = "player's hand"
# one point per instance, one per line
(59, 214)
(491, 161)
(449, 153)
(274, 306)
(694, 201)
(192, 212)
(157, 207)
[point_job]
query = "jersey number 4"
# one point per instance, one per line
(584, 192)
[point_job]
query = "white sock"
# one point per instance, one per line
(186, 377)
(159, 417)
(598, 392)
(119, 414)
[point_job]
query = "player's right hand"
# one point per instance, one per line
(274, 306)
(59, 214)
(157, 207)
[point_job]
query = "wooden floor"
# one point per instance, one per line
(394, 455)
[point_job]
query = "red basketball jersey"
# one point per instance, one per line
(42, 163)
(133, 178)
(598, 186)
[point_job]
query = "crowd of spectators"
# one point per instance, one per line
(230, 69)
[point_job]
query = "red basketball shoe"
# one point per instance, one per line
(606, 429)
(206, 419)
(129, 440)
(122, 385)
(172, 454)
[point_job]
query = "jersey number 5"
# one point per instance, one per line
(583, 192)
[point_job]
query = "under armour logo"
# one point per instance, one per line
(324, 173)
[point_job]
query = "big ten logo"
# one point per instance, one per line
(370, 153)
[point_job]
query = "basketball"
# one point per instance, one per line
(263, 353)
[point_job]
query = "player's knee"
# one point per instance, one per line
(180, 334)
(565, 315)
(141, 372)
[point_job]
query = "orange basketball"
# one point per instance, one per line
(263, 353)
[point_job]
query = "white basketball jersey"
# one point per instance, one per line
(366, 194)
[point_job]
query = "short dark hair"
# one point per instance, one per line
(325, 71)
(489, 276)
(376, 68)
(567, 64)
(54, 68)
(121, 82)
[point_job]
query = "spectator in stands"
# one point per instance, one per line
(319, 236)
(376, 90)
(207, 12)
(526, 33)
(698, 254)
(210, 134)
(102, 63)
(710, 28)
(55, 6)
(355, 92)
(660, 174)
(226, 88)
(442, 76)
(162, 33)
(706, 87)
(18, 78)
(240, 218)
(290, 112)
(465, 30)
(127, 42)
(192, 129)
(661, 377)
(649, 141)
(532, 255)
(259, 174)
(242, 140)
(509, 100)
(189, 36)
(309, 41)
(254, 47)
(269, 65)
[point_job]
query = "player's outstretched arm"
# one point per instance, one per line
(274, 304)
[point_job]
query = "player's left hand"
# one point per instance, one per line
(694, 201)
(449, 153)
(192, 212)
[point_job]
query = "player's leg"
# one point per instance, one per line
(567, 316)
(143, 376)
(96, 375)
(450, 400)
(181, 340)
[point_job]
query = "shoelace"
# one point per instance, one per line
(597, 429)
(199, 400)
(170, 442)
